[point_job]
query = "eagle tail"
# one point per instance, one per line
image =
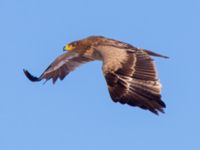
(30, 76)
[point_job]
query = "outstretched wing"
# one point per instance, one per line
(60, 67)
(134, 81)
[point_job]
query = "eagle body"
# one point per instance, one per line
(130, 72)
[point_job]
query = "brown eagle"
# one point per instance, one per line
(130, 72)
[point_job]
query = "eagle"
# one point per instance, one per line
(130, 72)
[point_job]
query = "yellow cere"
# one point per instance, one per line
(69, 47)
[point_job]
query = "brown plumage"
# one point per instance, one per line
(130, 72)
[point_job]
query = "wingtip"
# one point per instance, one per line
(30, 76)
(161, 108)
(157, 112)
(166, 57)
(155, 54)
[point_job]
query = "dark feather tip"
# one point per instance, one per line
(155, 54)
(31, 77)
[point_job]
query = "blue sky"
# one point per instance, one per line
(78, 113)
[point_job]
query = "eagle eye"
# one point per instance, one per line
(69, 47)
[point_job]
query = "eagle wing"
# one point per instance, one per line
(132, 79)
(60, 67)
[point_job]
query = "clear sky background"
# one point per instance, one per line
(78, 113)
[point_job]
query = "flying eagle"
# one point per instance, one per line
(130, 72)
